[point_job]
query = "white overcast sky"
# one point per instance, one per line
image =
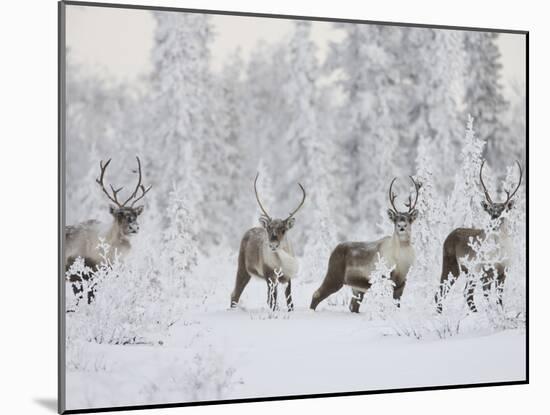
(117, 42)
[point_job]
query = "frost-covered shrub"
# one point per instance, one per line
(482, 270)
(203, 377)
(515, 289)
(379, 302)
(79, 357)
(420, 321)
(133, 297)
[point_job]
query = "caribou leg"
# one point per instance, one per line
(356, 300)
(398, 289)
(359, 285)
(500, 287)
(489, 279)
(469, 290)
(327, 288)
(288, 295)
(272, 285)
(333, 281)
(243, 277)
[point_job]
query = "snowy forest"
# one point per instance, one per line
(386, 101)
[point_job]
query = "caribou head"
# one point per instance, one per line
(276, 228)
(403, 220)
(124, 213)
(495, 209)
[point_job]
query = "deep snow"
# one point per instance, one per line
(255, 353)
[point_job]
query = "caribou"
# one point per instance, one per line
(267, 253)
(351, 263)
(458, 247)
(81, 240)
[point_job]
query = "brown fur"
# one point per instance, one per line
(257, 259)
(455, 247)
(82, 240)
(351, 263)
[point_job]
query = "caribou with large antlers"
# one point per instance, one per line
(266, 252)
(457, 248)
(352, 263)
(82, 240)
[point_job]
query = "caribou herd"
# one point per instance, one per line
(267, 253)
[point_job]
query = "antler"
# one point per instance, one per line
(409, 203)
(392, 195)
(258, 198)
(114, 198)
(139, 186)
(483, 184)
(508, 195)
(301, 203)
(99, 181)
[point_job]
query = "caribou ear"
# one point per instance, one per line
(112, 209)
(139, 210)
(510, 205)
(413, 215)
(392, 215)
(289, 223)
(263, 221)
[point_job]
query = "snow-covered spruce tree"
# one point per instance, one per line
(429, 232)
(266, 72)
(514, 295)
(464, 204)
(436, 60)
(370, 80)
(234, 178)
(321, 238)
(462, 209)
(512, 145)
(301, 100)
(310, 150)
(180, 245)
(97, 116)
(222, 155)
(178, 132)
(484, 96)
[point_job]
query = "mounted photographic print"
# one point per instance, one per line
(258, 207)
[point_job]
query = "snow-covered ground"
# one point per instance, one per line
(216, 353)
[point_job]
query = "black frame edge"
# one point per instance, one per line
(527, 330)
(61, 344)
(292, 397)
(287, 16)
